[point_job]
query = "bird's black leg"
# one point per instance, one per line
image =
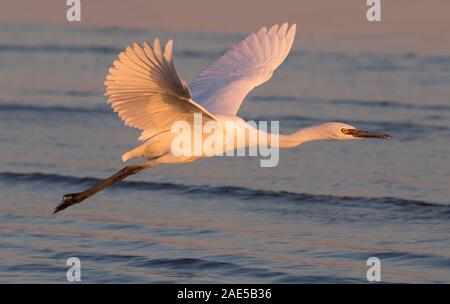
(76, 198)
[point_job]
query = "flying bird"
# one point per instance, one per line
(144, 88)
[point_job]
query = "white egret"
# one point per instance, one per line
(145, 90)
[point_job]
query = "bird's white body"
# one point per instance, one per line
(160, 145)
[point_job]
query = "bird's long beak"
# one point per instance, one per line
(365, 134)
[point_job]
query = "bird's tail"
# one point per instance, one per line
(136, 152)
(127, 156)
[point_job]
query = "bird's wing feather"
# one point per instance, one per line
(222, 86)
(145, 90)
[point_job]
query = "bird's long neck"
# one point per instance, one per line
(302, 136)
(258, 137)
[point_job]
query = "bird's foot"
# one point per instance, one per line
(69, 200)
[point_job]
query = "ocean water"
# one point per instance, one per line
(315, 218)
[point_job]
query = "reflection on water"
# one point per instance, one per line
(316, 217)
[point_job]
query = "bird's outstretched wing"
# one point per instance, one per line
(222, 86)
(144, 88)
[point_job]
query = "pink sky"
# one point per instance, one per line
(316, 18)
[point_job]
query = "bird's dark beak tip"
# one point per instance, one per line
(365, 134)
(385, 136)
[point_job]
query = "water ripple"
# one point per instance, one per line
(421, 209)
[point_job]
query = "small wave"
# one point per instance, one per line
(72, 93)
(205, 54)
(390, 104)
(184, 265)
(242, 193)
(353, 102)
(31, 108)
(99, 49)
(187, 263)
(54, 48)
(383, 62)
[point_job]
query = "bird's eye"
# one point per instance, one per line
(345, 131)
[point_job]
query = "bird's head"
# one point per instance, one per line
(342, 131)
